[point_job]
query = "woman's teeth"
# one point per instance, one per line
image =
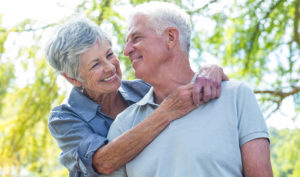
(107, 79)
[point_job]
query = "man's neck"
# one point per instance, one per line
(171, 76)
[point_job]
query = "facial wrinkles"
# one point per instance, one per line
(109, 71)
(96, 63)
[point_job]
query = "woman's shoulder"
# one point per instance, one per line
(61, 112)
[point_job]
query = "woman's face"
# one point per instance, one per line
(100, 70)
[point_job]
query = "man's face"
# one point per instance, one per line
(146, 49)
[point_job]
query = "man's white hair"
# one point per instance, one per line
(163, 15)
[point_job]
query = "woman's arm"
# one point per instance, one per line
(115, 154)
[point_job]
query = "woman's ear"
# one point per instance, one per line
(172, 37)
(75, 82)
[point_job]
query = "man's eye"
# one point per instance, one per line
(109, 55)
(136, 38)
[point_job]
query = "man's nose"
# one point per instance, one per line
(128, 49)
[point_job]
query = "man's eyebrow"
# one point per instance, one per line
(132, 35)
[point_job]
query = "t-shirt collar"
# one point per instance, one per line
(148, 98)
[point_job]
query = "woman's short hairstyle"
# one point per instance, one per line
(73, 39)
(163, 15)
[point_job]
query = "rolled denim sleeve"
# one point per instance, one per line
(77, 141)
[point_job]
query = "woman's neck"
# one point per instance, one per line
(111, 103)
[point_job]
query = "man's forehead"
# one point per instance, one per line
(132, 31)
(138, 21)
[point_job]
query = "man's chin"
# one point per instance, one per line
(138, 74)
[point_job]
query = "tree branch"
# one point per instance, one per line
(282, 95)
(296, 23)
(100, 19)
(257, 31)
(32, 29)
(201, 8)
(278, 93)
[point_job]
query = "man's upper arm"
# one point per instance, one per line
(251, 123)
(256, 158)
(254, 137)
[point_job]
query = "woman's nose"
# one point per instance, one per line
(109, 67)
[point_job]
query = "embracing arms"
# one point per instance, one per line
(86, 152)
(124, 148)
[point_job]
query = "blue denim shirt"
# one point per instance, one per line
(80, 128)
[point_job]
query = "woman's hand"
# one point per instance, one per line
(179, 102)
(208, 84)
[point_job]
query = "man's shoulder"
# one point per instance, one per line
(129, 114)
(231, 84)
(234, 86)
(234, 90)
(124, 121)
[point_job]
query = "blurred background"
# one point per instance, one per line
(255, 41)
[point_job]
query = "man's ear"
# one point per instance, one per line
(172, 37)
(75, 82)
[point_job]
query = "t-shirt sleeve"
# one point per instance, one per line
(77, 142)
(121, 172)
(115, 129)
(251, 123)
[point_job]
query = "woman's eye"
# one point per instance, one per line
(96, 64)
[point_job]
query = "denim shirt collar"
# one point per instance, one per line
(127, 95)
(87, 108)
(82, 105)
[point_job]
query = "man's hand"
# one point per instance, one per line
(208, 84)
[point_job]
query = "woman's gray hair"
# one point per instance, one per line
(163, 15)
(73, 39)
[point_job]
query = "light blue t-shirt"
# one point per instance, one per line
(205, 142)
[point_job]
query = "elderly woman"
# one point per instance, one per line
(82, 53)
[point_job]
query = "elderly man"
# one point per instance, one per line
(226, 137)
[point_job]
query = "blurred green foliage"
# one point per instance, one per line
(256, 41)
